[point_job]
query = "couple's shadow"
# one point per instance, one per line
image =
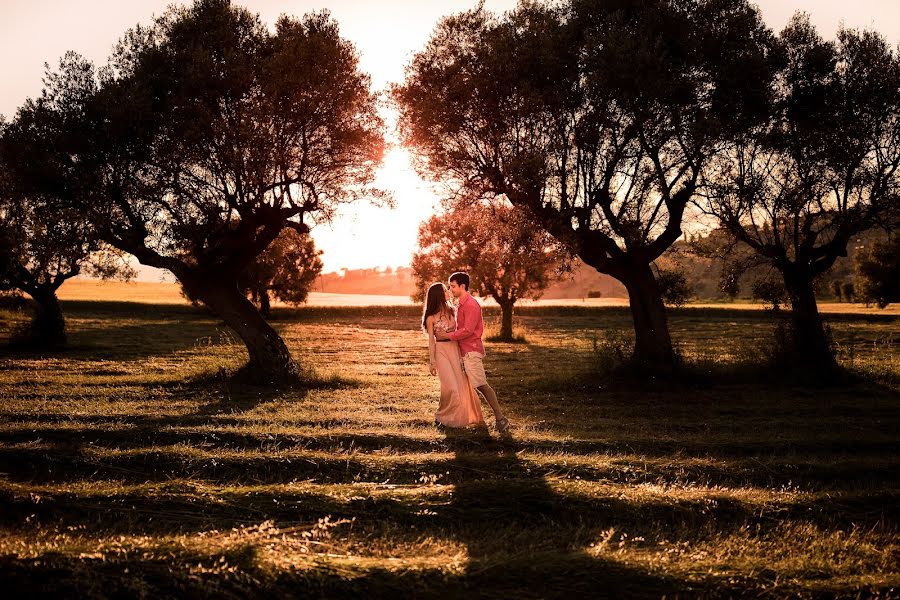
(524, 538)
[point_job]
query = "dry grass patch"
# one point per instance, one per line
(133, 465)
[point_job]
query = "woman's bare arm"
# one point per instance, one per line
(432, 345)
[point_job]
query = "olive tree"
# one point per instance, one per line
(42, 247)
(597, 116)
(824, 166)
(207, 135)
(507, 255)
(877, 271)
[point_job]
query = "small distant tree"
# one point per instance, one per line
(878, 273)
(836, 290)
(40, 249)
(286, 271)
(848, 291)
(735, 258)
(674, 287)
(507, 256)
(770, 291)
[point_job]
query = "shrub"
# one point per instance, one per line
(674, 287)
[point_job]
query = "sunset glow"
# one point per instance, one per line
(364, 236)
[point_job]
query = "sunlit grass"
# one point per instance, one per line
(134, 465)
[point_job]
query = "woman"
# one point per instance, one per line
(460, 405)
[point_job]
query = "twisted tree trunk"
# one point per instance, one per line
(270, 360)
(810, 345)
(653, 350)
(48, 326)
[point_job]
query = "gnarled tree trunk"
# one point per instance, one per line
(652, 343)
(48, 326)
(506, 315)
(265, 307)
(270, 360)
(811, 348)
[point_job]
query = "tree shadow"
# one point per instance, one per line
(128, 330)
(522, 537)
(231, 394)
(518, 531)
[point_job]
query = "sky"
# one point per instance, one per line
(386, 34)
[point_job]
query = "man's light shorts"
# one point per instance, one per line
(473, 365)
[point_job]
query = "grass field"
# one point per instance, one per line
(169, 293)
(131, 467)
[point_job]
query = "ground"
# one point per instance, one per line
(131, 465)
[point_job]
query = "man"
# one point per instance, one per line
(469, 328)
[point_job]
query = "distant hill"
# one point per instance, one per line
(585, 280)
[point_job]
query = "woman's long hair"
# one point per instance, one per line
(435, 302)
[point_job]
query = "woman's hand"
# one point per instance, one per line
(432, 369)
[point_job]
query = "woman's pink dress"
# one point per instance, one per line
(460, 405)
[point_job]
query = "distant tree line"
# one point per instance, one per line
(716, 272)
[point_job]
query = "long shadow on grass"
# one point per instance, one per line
(148, 331)
(77, 460)
(216, 424)
(523, 539)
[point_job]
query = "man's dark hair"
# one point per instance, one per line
(461, 279)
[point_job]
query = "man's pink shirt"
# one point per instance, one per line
(469, 327)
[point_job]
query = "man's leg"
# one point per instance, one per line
(474, 367)
(491, 396)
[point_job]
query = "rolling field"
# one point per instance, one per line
(169, 293)
(131, 466)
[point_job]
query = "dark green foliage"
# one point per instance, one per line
(674, 287)
(878, 273)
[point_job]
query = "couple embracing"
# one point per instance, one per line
(456, 354)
